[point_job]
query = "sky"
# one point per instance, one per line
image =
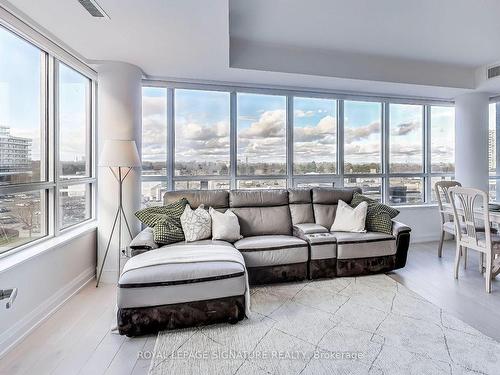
(202, 128)
(21, 100)
(315, 130)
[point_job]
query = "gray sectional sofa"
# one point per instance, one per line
(286, 237)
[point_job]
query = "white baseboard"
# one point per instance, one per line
(108, 276)
(424, 238)
(15, 334)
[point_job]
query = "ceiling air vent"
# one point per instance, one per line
(494, 71)
(93, 8)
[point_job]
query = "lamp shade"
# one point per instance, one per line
(119, 153)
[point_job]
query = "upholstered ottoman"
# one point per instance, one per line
(181, 286)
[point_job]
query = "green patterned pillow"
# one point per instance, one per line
(168, 231)
(379, 216)
(165, 221)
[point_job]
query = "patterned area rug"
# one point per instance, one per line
(362, 325)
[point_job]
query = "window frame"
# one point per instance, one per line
(495, 101)
(51, 183)
(295, 179)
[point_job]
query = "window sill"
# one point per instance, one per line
(14, 258)
(429, 205)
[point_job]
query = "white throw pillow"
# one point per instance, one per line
(197, 224)
(225, 226)
(348, 219)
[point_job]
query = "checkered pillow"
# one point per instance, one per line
(165, 221)
(168, 231)
(379, 216)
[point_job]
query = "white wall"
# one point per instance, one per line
(424, 222)
(44, 282)
(120, 112)
(471, 140)
(259, 56)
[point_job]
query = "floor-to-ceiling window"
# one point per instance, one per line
(46, 119)
(220, 137)
(494, 151)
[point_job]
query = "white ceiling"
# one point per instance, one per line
(190, 40)
(461, 32)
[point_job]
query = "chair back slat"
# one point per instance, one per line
(470, 207)
(441, 188)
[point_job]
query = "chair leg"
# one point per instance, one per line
(457, 260)
(465, 257)
(440, 248)
(487, 275)
(481, 262)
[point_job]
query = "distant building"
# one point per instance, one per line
(15, 153)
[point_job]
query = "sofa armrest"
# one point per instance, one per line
(398, 228)
(142, 242)
(300, 230)
(402, 234)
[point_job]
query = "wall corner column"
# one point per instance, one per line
(471, 140)
(119, 117)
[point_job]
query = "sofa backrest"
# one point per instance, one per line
(325, 201)
(267, 212)
(261, 212)
(300, 202)
(218, 199)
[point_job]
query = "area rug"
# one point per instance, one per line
(362, 325)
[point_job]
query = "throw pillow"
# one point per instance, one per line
(379, 216)
(167, 231)
(165, 221)
(152, 215)
(349, 219)
(197, 224)
(225, 226)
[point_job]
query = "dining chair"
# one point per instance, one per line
(447, 224)
(470, 207)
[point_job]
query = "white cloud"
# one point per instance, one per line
(300, 113)
(325, 128)
(406, 128)
(362, 132)
(270, 124)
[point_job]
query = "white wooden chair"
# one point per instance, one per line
(470, 206)
(447, 224)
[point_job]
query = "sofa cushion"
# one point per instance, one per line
(300, 203)
(322, 245)
(164, 283)
(258, 198)
(210, 198)
(301, 213)
(332, 195)
(275, 250)
(207, 242)
(325, 202)
(144, 240)
(324, 214)
(364, 245)
(258, 221)
(299, 195)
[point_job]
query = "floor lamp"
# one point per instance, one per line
(120, 156)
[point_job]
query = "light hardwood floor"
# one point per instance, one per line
(77, 338)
